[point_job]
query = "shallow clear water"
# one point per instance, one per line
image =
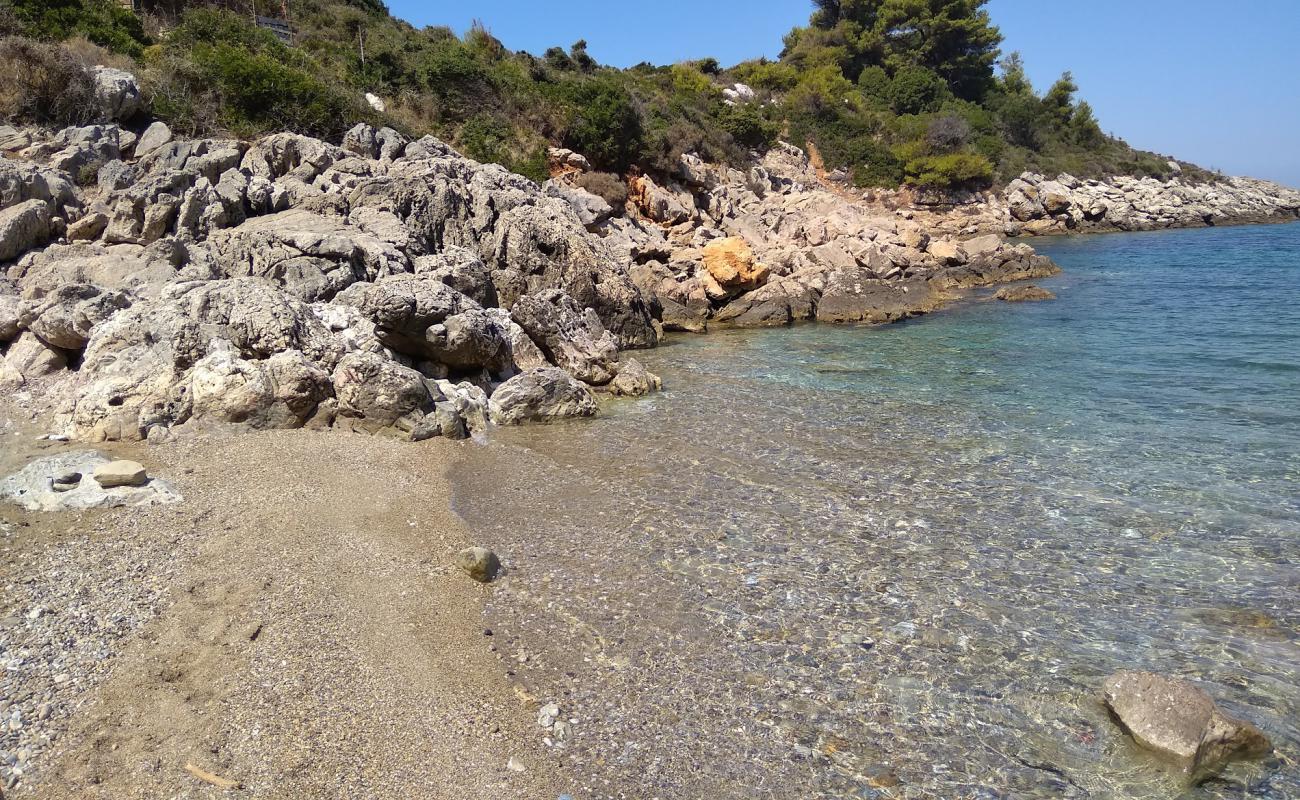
(899, 561)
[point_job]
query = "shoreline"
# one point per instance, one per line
(293, 625)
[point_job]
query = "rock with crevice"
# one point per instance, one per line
(1178, 721)
(543, 394)
(571, 337)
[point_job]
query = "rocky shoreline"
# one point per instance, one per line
(156, 286)
(392, 285)
(1034, 205)
(385, 284)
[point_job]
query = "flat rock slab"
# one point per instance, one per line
(33, 487)
(1179, 721)
(121, 473)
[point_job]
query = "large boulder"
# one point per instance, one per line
(591, 209)
(32, 357)
(65, 317)
(666, 205)
(634, 380)
(1179, 721)
(10, 306)
(21, 181)
(856, 297)
(381, 392)
(137, 370)
(281, 391)
(23, 227)
(779, 303)
(463, 271)
(540, 395)
(404, 307)
(572, 338)
(732, 268)
(117, 94)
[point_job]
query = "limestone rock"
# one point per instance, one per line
(540, 395)
(120, 473)
(591, 209)
(404, 307)
(665, 205)
(9, 316)
(33, 487)
(34, 358)
(634, 380)
(1021, 294)
(23, 227)
(572, 338)
(853, 297)
(731, 265)
(379, 390)
(479, 563)
(154, 136)
(1178, 720)
(117, 94)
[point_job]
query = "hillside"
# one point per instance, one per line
(889, 92)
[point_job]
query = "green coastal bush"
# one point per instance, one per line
(888, 90)
(104, 22)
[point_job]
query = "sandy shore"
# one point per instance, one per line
(294, 626)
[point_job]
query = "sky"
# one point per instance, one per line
(1210, 82)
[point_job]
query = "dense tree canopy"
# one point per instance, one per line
(952, 38)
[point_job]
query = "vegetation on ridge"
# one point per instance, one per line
(890, 91)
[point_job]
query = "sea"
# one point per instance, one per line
(899, 561)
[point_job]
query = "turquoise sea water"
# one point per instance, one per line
(899, 561)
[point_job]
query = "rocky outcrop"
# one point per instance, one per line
(1180, 722)
(290, 282)
(775, 245)
(1024, 294)
(541, 395)
(1038, 205)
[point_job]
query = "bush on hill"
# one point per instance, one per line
(889, 90)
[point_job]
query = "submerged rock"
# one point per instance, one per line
(1177, 720)
(479, 563)
(1022, 294)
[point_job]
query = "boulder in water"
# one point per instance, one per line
(1177, 720)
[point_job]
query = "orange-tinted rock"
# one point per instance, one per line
(731, 264)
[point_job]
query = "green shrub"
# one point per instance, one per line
(103, 22)
(485, 138)
(916, 90)
(605, 127)
(874, 82)
(769, 75)
(748, 127)
(950, 171)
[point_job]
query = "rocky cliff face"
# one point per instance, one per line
(391, 285)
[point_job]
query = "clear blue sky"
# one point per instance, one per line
(1212, 82)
